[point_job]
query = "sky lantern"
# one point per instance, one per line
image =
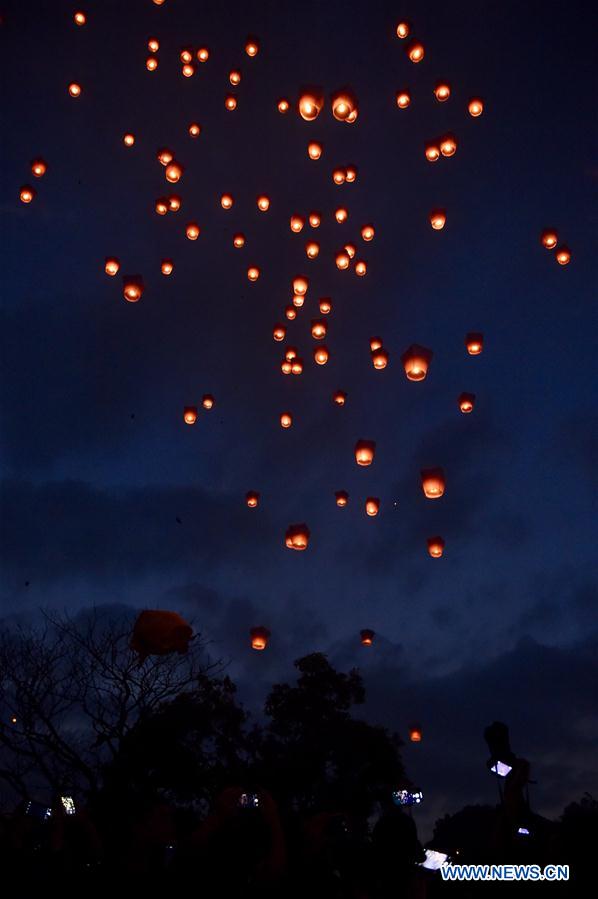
(312, 249)
(290, 312)
(415, 734)
(174, 202)
(432, 152)
(286, 420)
(263, 203)
(259, 638)
(159, 633)
(342, 498)
(341, 215)
(366, 636)
(188, 70)
(153, 45)
(403, 30)
(372, 506)
(375, 343)
(186, 55)
(549, 238)
(314, 219)
(318, 328)
(283, 105)
(111, 266)
(350, 174)
(297, 223)
(433, 484)
(343, 260)
(161, 206)
(290, 353)
(132, 288)
(190, 415)
(325, 305)
(226, 201)
(203, 54)
(448, 145)
(234, 76)
(438, 219)
(192, 231)
(208, 401)
(297, 536)
(466, 402)
(253, 272)
(230, 102)
(314, 150)
(165, 156)
(300, 285)
(403, 99)
(252, 46)
(252, 498)
(364, 452)
(361, 268)
(159, 2)
(238, 241)
(339, 397)
(167, 267)
(26, 194)
(415, 51)
(128, 139)
(344, 105)
(321, 355)
(435, 547)
(74, 89)
(475, 107)
(442, 91)
(310, 105)
(367, 232)
(38, 168)
(416, 360)
(350, 250)
(80, 18)
(279, 333)
(151, 63)
(297, 366)
(474, 341)
(298, 300)
(173, 172)
(379, 358)
(286, 367)
(563, 255)
(339, 176)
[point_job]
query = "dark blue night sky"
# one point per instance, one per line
(97, 463)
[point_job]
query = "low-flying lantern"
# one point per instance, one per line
(80, 18)
(252, 498)
(160, 632)
(415, 734)
(128, 139)
(230, 102)
(342, 498)
(167, 267)
(259, 638)
(364, 452)
(207, 401)
(190, 415)
(563, 255)
(310, 105)
(234, 77)
(297, 536)
(318, 328)
(74, 89)
(415, 361)
(442, 91)
(300, 285)
(372, 506)
(279, 333)
(192, 231)
(314, 150)
(403, 30)
(263, 203)
(438, 219)
(433, 483)
(26, 194)
(466, 401)
(339, 397)
(321, 355)
(475, 107)
(286, 420)
(549, 238)
(325, 305)
(415, 51)
(111, 266)
(253, 272)
(252, 46)
(297, 223)
(379, 358)
(38, 168)
(366, 637)
(314, 219)
(226, 201)
(238, 241)
(435, 547)
(448, 145)
(403, 99)
(474, 341)
(132, 288)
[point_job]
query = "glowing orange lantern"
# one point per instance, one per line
(290, 353)
(190, 415)
(339, 397)
(343, 260)
(297, 536)
(298, 300)
(38, 168)
(174, 202)
(286, 367)
(230, 102)
(296, 366)
(466, 401)
(310, 105)
(403, 99)
(286, 420)
(259, 638)
(432, 152)
(203, 54)
(435, 547)
(283, 105)
(318, 329)
(186, 55)
(339, 176)
(74, 89)
(448, 145)
(112, 265)
(263, 203)
(343, 105)
(192, 231)
(188, 70)
(321, 355)
(474, 341)
(162, 206)
(158, 632)
(403, 30)
(300, 285)
(438, 219)
(173, 172)
(476, 107)
(151, 63)
(128, 139)
(433, 484)
(375, 343)
(372, 506)
(297, 223)
(165, 156)
(314, 150)
(415, 51)
(342, 498)
(26, 194)
(442, 91)
(361, 268)
(350, 174)
(315, 219)
(563, 255)
(415, 734)
(234, 77)
(416, 360)
(153, 45)
(238, 241)
(253, 272)
(290, 312)
(364, 452)
(207, 401)
(80, 18)
(325, 305)
(279, 332)
(252, 499)
(367, 232)
(312, 249)
(252, 46)
(549, 239)
(132, 288)
(379, 358)
(226, 201)
(167, 266)
(341, 215)
(367, 637)
(350, 249)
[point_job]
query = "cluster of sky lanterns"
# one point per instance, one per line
(38, 168)
(190, 413)
(550, 240)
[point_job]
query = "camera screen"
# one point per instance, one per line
(68, 804)
(501, 768)
(434, 860)
(406, 797)
(249, 800)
